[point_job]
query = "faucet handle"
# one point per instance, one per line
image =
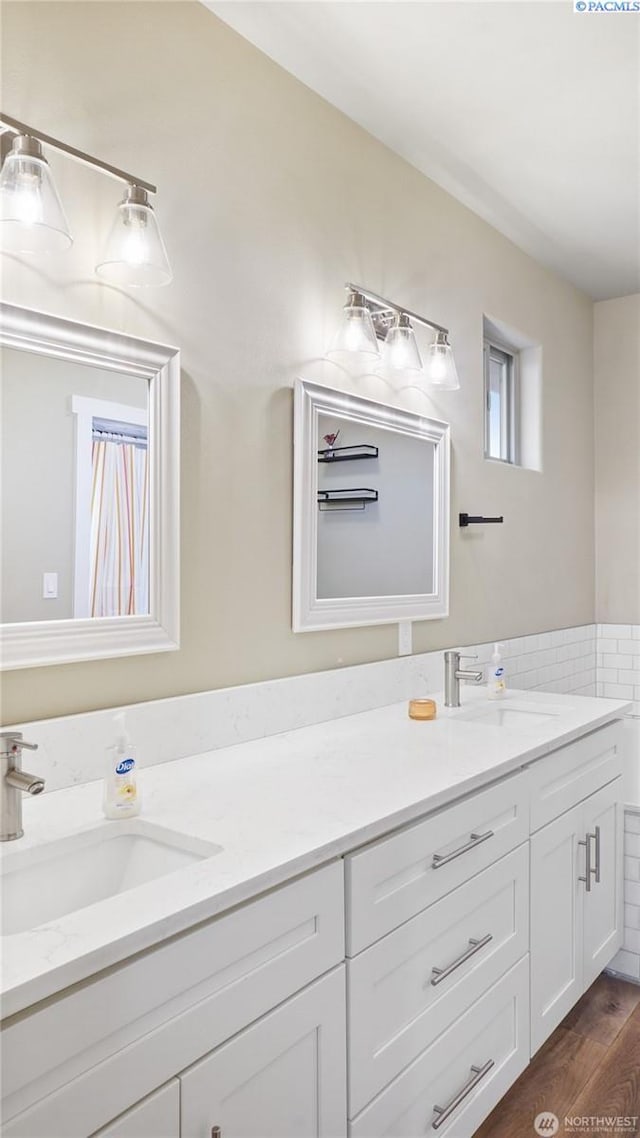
(15, 741)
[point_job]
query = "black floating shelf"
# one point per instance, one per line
(469, 520)
(355, 498)
(347, 454)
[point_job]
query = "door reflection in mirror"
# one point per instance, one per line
(119, 524)
(75, 489)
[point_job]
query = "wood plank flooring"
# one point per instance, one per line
(589, 1067)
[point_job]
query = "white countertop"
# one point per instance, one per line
(278, 807)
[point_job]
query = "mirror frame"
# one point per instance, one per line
(32, 644)
(311, 614)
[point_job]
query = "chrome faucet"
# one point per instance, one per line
(453, 673)
(13, 780)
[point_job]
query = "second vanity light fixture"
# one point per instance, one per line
(370, 321)
(32, 218)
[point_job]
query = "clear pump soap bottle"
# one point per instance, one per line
(497, 685)
(121, 793)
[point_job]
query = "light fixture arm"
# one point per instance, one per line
(389, 306)
(17, 127)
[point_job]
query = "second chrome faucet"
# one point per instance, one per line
(453, 674)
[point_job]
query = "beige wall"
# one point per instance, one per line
(270, 200)
(617, 404)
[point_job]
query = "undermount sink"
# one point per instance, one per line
(515, 715)
(47, 882)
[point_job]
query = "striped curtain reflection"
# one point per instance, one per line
(119, 530)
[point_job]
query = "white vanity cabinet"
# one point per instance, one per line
(398, 991)
(576, 875)
(285, 1077)
(77, 1063)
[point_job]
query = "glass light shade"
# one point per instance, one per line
(32, 219)
(400, 355)
(135, 254)
(441, 366)
(356, 333)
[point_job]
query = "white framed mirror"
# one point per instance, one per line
(371, 512)
(89, 483)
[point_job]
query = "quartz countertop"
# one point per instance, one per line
(278, 807)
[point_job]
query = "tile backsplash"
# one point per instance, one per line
(618, 662)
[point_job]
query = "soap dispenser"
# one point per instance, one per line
(121, 794)
(497, 685)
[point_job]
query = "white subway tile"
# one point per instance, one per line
(632, 845)
(619, 631)
(607, 675)
(632, 869)
(617, 660)
(618, 691)
(631, 917)
(631, 941)
(632, 647)
(632, 822)
(632, 893)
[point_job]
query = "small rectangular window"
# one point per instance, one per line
(501, 398)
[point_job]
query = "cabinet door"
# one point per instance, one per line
(602, 826)
(158, 1116)
(285, 1077)
(557, 861)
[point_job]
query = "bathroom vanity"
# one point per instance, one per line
(394, 918)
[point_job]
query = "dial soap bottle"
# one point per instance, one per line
(121, 794)
(497, 681)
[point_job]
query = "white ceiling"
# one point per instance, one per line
(526, 112)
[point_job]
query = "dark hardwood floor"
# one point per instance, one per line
(588, 1068)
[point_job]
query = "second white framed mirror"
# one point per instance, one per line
(371, 512)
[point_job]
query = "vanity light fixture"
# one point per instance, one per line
(441, 366)
(356, 333)
(392, 328)
(31, 213)
(400, 355)
(135, 253)
(32, 218)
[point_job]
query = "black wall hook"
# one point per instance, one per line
(468, 520)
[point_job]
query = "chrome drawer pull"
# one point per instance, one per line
(440, 974)
(596, 838)
(588, 871)
(445, 1112)
(475, 840)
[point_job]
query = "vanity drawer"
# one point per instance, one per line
(104, 1045)
(472, 1065)
(393, 879)
(568, 776)
(398, 1005)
